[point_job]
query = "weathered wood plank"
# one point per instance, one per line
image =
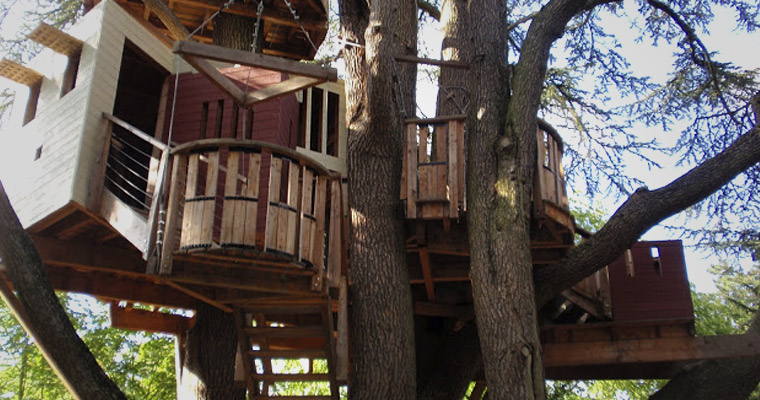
(334, 256)
(209, 204)
(275, 175)
(230, 205)
(411, 171)
(190, 214)
(452, 171)
(218, 53)
(252, 192)
(172, 211)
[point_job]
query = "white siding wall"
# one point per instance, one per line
(117, 26)
(69, 129)
(37, 188)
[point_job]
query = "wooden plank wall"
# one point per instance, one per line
(651, 293)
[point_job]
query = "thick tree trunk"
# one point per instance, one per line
(379, 92)
(45, 318)
(236, 32)
(498, 211)
(209, 369)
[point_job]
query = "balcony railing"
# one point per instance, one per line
(215, 206)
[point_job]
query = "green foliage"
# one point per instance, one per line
(142, 365)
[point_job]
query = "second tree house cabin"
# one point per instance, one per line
(241, 203)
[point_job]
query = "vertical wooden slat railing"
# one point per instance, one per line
(433, 171)
(214, 205)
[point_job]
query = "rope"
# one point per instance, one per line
(298, 20)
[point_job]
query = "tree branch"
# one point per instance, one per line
(521, 21)
(430, 9)
(56, 337)
(695, 42)
(644, 209)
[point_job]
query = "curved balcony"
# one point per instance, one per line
(216, 214)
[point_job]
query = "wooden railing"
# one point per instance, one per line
(214, 205)
(550, 177)
(433, 175)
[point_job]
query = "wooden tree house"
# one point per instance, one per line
(151, 179)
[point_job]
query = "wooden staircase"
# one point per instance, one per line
(290, 345)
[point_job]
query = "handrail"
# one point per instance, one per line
(255, 144)
(435, 120)
(134, 130)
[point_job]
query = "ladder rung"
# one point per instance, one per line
(289, 354)
(286, 332)
(292, 377)
(292, 398)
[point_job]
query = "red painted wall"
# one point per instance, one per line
(271, 119)
(651, 294)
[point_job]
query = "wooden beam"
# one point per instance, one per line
(212, 52)
(19, 73)
(426, 274)
(431, 61)
(683, 349)
(280, 89)
(224, 83)
(151, 321)
(84, 254)
(54, 39)
(434, 120)
(443, 310)
(592, 307)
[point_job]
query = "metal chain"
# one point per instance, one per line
(259, 11)
(298, 20)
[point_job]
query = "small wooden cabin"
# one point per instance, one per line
(146, 178)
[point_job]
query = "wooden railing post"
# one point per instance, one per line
(98, 181)
(453, 169)
(155, 205)
(411, 170)
(334, 256)
(179, 169)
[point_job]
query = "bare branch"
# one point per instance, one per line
(643, 210)
(430, 9)
(521, 21)
(694, 43)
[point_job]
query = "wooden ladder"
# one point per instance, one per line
(290, 345)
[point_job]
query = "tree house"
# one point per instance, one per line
(145, 178)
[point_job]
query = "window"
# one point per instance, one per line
(70, 74)
(31, 104)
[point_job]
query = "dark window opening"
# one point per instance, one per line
(315, 142)
(38, 153)
(302, 118)
(333, 113)
(655, 253)
(204, 119)
(70, 74)
(219, 119)
(547, 151)
(138, 99)
(234, 121)
(248, 134)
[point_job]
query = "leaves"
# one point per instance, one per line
(141, 364)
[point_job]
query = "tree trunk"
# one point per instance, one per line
(209, 369)
(236, 32)
(46, 320)
(498, 194)
(379, 92)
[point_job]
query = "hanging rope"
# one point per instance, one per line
(298, 20)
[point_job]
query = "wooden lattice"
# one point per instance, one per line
(56, 40)
(19, 73)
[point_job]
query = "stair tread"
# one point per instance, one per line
(303, 353)
(285, 331)
(292, 377)
(310, 397)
